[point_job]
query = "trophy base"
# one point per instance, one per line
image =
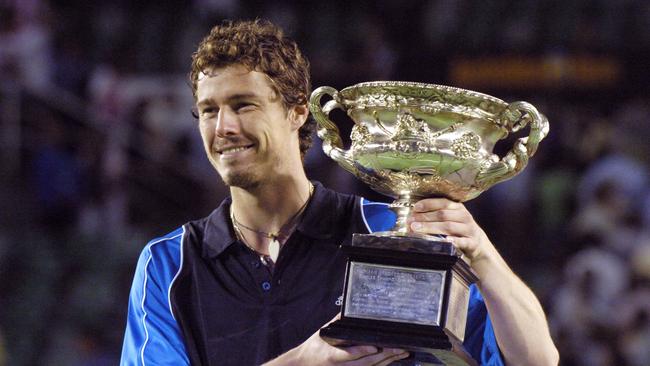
(425, 350)
(405, 292)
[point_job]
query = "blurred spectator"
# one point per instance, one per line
(106, 102)
(631, 128)
(163, 123)
(91, 222)
(640, 259)
(634, 342)
(626, 178)
(71, 66)
(601, 217)
(56, 176)
(25, 48)
(581, 317)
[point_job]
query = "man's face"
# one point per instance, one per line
(247, 133)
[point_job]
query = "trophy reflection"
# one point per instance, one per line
(412, 141)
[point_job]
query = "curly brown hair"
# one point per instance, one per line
(261, 46)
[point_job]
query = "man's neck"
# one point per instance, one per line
(269, 206)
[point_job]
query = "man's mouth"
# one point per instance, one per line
(232, 149)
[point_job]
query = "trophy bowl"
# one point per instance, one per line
(413, 140)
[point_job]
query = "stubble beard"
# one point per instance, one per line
(253, 177)
(246, 180)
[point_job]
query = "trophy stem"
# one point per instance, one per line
(402, 207)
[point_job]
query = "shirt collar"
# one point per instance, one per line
(219, 233)
(316, 223)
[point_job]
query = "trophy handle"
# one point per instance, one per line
(518, 115)
(327, 130)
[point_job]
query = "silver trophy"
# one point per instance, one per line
(412, 141)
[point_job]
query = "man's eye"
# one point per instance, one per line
(243, 107)
(208, 111)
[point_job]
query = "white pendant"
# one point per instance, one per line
(274, 249)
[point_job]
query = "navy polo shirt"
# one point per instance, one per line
(201, 297)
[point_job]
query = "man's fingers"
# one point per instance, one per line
(441, 215)
(386, 356)
(341, 354)
(398, 355)
(446, 228)
(432, 204)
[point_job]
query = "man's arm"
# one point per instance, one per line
(152, 334)
(517, 316)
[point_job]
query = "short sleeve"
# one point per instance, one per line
(152, 335)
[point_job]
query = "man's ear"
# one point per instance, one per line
(298, 116)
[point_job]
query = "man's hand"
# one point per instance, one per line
(315, 351)
(443, 216)
(518, 318)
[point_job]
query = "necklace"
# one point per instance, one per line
(274, 244)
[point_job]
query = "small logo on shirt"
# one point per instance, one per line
(339, 301)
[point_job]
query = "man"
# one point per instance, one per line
(254, 282)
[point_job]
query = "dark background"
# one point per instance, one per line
(100, 152)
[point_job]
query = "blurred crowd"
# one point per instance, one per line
(100, 154)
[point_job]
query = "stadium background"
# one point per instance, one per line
(100, 152)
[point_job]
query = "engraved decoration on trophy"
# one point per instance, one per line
(412, 141)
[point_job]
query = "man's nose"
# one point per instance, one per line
(227, 123)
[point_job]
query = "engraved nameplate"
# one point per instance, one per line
(457, 308)
(392, 293)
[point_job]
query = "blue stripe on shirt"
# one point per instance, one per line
(152, 334)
